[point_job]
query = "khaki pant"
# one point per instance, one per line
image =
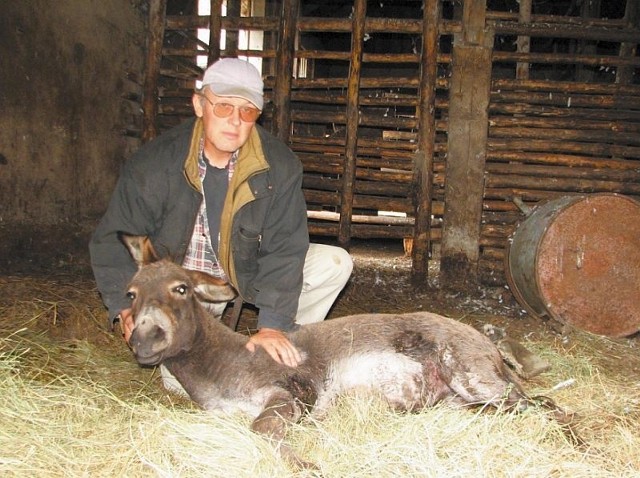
(326, 271)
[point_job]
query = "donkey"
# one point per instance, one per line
(412, 360)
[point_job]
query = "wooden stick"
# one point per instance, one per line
(568, 100)
(366, 231)
(561, 184)
(284, 62)
(157, 10)
(372, 203)
(553, 145)
(595, 33)
(360, 219)
(215, 31)
(562, 160)
(423, 170)
(566, 86)
(564, 127)
(353, 120)
(555, 58)
(578, 113)
(624, 74)
(523, 41)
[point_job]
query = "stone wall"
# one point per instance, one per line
(66, 68)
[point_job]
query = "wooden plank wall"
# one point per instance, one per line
(368, 114)
(568, 124)
(358, 137)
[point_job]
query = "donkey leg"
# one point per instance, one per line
(280, 410)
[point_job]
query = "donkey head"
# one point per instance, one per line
(165, 302)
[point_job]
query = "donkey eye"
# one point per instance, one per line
(181, 289)
(131, 295)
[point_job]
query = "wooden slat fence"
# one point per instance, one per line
(361, 92)
(552, 133)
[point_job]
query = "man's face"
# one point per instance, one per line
(223, 135)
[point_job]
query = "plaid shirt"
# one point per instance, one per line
(200, 255)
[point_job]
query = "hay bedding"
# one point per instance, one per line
(76, 404)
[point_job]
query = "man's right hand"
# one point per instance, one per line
(277, 345)
(126, 324)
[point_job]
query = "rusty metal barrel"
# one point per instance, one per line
(576, 259)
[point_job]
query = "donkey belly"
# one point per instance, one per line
(249, 402)
(400, 380)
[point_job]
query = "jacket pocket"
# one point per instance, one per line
(247, 245)
(245, 256)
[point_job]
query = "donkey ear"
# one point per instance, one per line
(140, 248)
(211, 289)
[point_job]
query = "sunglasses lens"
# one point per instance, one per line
(222, 110)
(249, 114)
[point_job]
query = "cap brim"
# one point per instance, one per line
(238, 92)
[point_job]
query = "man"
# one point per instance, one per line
(222, 195)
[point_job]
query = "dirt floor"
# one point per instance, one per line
(53, 265)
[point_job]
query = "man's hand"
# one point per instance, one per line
(126, 324)
(277, 345)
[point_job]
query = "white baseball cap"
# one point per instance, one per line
(237, 78)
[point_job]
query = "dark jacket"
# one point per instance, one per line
(263, 232)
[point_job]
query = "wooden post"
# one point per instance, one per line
(523, 42)
(215, 31)
(624, 74)
(353, 115)
(231, 44)
(473, 22)
(467, 138)
(423, 165)
(588, 9)
(284, 70)
(157, 13)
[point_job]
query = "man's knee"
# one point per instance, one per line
(343, 261)
(336, 261)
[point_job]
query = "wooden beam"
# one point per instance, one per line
(360, 219)
(215, 31)
(234, 8)
(559, 30)
(353, 115)
(590, 9)
(473, 22)
(624, 74)
(468, 126)
(157, 13)
(284, 62)
(523, 42)
(423, 166)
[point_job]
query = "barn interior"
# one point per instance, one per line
(432, 127)
(430, 133)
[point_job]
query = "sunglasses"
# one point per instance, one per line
(224, 110)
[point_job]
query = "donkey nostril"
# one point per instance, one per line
(159, 334)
